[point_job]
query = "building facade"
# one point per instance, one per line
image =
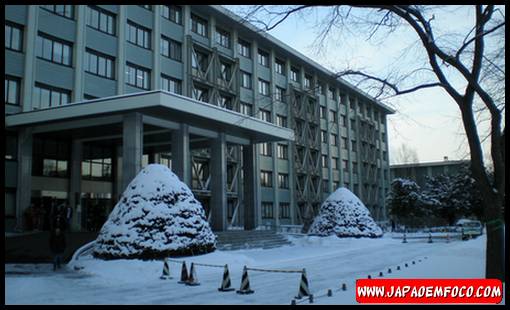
(419, 172)
(286, 131)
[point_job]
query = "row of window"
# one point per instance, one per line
(266, 179)
(267, 210)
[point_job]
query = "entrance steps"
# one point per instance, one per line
(250, 239)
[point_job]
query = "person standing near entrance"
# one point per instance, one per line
(57, 247)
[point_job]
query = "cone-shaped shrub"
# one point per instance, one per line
(157, 216)
(344, 215)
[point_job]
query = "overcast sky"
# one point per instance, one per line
(428, 120)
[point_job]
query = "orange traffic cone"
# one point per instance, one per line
(303, 286)
(225, 284)
(184, 274)
(192, 279)
(166, 271)
(245, 283)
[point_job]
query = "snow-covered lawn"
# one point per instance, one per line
(329, 262)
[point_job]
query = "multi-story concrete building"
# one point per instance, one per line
(94, 93)
(419, 172)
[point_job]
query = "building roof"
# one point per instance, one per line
(432, 164)
(264, 35)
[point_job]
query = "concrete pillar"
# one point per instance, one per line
(117, 172)
(186, 51)
(251, 187)
(121, 46)
(218, 205)
(181, 158)
(156, 41)
(132, 147)
(29, 67)
(349, 136)
(24, 186)
(79, 52)
(75, 184)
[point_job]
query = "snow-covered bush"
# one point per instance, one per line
(344, 215)
(156, 216)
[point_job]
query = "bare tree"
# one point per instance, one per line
(405, 155)
(469, 59)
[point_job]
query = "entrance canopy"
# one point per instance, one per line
(159, 108)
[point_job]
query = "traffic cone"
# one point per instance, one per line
(344, 287)
(330, 293)
(245, 283)
(404, 240)
(303, 286)
(310, 298)
(225, 284)
(398, 267)
(406, 265)
(166, 271)
(389, 270)
(369, 277)
(184, 274)
(413, 262)
(192, 279)
(430, 238)
(380, 274)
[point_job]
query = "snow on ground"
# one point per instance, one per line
(329, 262)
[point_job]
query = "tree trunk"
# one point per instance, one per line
(495, 252)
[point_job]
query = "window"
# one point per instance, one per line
(282, 151)
(353, 145)
(324, 136)
(325, 185)
(245, 80)
(267, 210)
(97, 163)
(225, 71)
(344, 143)
(199, 60)
(137, 76)
(345, 164)
(331, 93)
(263, 58)
(138, 35)
(266, 178)
(223, 38)
(99, 64)
(279, 66)
(198, 25)
(334, 163)
(172, 12)
(355, 168)
(11, 145)
(13, 37)
(62, 10)
(225, 102)
(171, 84)
(50, 158)
(101, 20)
(244, 48)
(265, 149)
(280, 94)
(246, 108)
(324, 160)
(263, 87)
(281, 120)
(54, 50)
(294, 74)
(47, 96)
(333, 139)
(332, 115)
(265, 115)
(12, 90)
(283, 180)
(322, 112)
(344, 120)
(284, 210)
(308, 81)
(201, 94)
(171, 48)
